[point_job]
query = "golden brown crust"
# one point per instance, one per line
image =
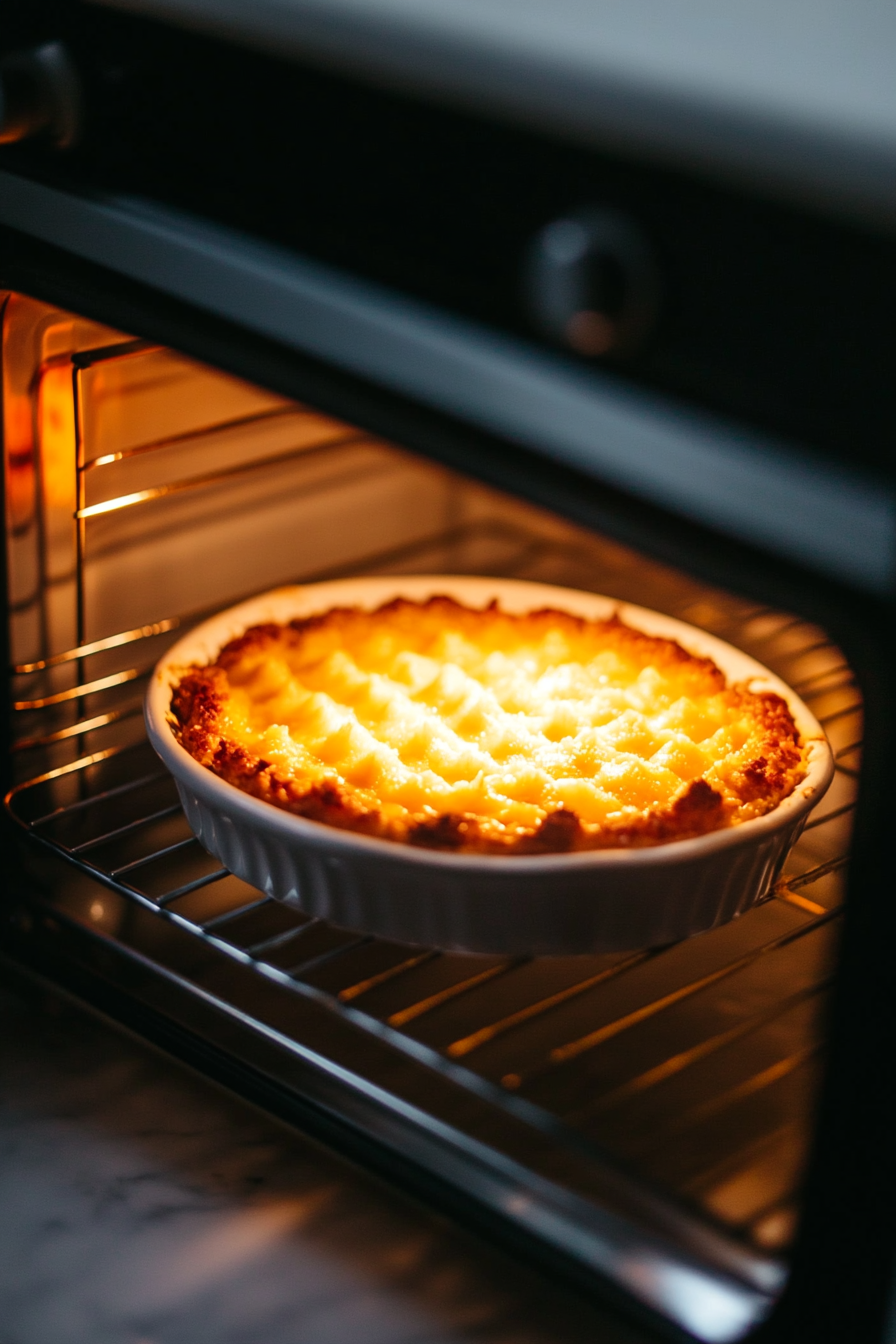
(755, 780)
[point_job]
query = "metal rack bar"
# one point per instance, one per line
(829, 816)
(125, 830)
(85, 688)
(187, 887)
(840, 714)
(155, 492)
(98, 646)
(685, 1058)
(149, 858)
(804, 687)
(212, 925)
(465, 1045)
(76, 729)
(426, 1005)
(800, 902)
(756, 1083)
(191, 436)
(312, 963)
(355, 991)
(83, 764)
(572, 1049)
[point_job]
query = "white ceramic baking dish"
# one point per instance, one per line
(595, 901)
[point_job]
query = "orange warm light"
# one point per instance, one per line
(56, 434)
(19, 458)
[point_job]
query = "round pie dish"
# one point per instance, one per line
(598, 900)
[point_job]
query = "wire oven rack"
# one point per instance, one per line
(688, 1071)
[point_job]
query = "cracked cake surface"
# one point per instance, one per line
(477, 730)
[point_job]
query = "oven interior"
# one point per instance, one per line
(673, 1088)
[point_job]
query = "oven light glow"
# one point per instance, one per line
(97, 910)
(56, 421)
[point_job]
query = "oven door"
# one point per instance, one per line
(192, 415)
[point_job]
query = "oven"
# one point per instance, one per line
(293, 295)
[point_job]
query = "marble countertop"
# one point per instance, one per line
(140, 1204)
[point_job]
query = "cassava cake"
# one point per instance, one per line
(477, 730)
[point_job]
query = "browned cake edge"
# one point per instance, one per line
(200, 695)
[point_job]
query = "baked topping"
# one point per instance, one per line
(478, 730)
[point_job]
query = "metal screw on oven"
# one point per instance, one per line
(592, 283)
(40, 97)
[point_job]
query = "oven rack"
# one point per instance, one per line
(693, 1066)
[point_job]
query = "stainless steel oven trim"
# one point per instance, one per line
(771, 494)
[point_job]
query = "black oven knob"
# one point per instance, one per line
(592, 283)
(40, 97)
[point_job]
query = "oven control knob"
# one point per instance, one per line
(592, 283)
(40, 97)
